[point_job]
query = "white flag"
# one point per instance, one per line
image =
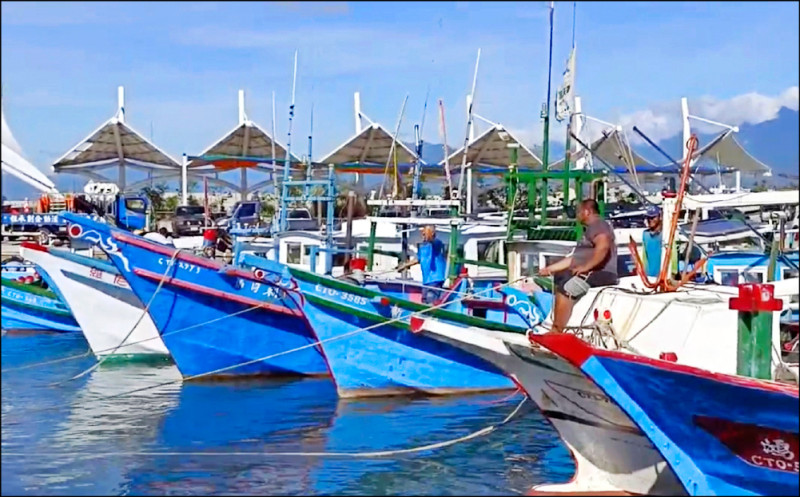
(566, 96)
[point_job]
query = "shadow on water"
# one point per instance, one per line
(252, 417)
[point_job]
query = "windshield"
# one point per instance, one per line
(299, 214)
(189, 210)
(246, 210)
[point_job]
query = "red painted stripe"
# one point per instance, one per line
(158, 248)
(216, 293)
(576, 351)
(33, 246)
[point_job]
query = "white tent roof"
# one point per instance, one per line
(247, 139)
(611, 148)
(14, 163)
(112, 143)
(371, 146)
(727, 152)
(491, 149)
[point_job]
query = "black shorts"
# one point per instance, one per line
(597, 278)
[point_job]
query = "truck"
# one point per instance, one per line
(43, 222)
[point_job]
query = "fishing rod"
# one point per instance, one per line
(728, 210)
(443, 131)
(393, 148)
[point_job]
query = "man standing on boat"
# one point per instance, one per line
(432, 260)
(651, 242)
(594, 259)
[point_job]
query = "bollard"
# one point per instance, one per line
(755, 304)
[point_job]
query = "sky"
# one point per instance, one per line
(182, 64)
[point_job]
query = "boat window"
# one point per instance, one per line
(292, 253)
(789, 272)
(752, 277)
(306, 260)
(729, 277)
(489, 250)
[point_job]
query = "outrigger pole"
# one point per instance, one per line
(415, 190)
(443, 130)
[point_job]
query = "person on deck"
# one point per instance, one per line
(651, 242)
(432, 259)
(595, 256)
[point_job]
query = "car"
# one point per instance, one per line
(188, 220)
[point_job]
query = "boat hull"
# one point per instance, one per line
(102, 302)
(728, 435)
(22, 310)
(371, 353)
(213, 324)
(611, 454)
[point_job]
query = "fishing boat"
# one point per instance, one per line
(365, 336)
(212, 324)
(29, 306)
(112, 318)
(728, 435)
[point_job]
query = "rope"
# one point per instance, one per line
(355, 455)
(296, 349)
(144, 313)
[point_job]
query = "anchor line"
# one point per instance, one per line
(286, 352)
(169, 265)
(355, 455)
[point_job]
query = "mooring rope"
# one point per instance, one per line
(285, 352)
(354, 455)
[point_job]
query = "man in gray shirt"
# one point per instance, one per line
(595, 256)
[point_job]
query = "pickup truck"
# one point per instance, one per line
(299, 219)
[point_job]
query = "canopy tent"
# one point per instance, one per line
(726, 152)
(116, 143)
(370, 147)
(613, 149)
(15, 164)
(246, 146)
(491, 149)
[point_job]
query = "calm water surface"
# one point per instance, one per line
(47, 430)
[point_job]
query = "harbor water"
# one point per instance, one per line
(114, 431)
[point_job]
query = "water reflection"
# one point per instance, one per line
(254, 417)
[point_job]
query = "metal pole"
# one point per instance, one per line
(756, 306)
(287, 161)
(371, 245)
(546, 116)
(272, 146)
(351, 200)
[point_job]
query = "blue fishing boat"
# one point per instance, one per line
(720, 434)
(27, 306)
(367, 339)
(213, 323)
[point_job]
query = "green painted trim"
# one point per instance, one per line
(356, 312)
(404, 304)
(29, 288)
(45, 310)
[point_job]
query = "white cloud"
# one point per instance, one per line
(663, 120)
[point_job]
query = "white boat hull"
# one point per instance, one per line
(103, 305)
(610, 453)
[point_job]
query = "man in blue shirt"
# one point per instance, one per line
(432, 259)
(651, 242)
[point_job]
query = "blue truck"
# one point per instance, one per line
(126, 211)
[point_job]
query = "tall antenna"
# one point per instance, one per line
(546, 109)
(272, 146)
(288, 145)
(469, 127)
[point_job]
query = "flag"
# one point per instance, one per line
(565, 97)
